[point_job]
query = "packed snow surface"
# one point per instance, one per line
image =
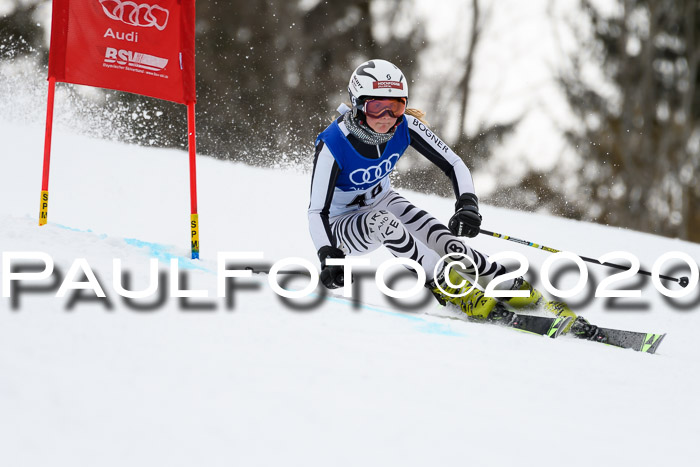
(252, 380)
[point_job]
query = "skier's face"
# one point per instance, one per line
(381, 124)
(382, 113)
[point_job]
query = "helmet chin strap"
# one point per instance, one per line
(356, 112)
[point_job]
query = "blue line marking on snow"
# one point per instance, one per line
(73, 229)
(155, 250)
(161, 252)
(423, 325)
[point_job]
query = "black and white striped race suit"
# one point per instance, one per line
(359, 220)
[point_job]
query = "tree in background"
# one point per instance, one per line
(268, 73)
(639, 136)
(452, 97)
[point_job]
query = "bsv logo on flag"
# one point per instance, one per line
(143, 15)
(374, 173)
(134, 59)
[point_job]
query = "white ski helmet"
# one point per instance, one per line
(375, 78)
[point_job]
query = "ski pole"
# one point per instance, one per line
(683, 281)
(267, 271)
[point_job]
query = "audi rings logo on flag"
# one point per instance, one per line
(374, 173)
(143, 15)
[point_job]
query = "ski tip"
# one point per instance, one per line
(652, 342)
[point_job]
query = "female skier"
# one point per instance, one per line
(354, 210)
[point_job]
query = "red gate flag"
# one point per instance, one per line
(141, 46)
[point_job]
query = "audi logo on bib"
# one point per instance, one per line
(374, 173)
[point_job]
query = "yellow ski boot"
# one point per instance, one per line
(474, 304)
(536, 299)
(533, 301)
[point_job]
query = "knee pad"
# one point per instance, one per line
(383, 225)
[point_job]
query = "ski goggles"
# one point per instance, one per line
(376, 108)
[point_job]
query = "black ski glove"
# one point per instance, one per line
(466, 220)
(331, 276)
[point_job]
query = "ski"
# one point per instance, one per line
(541, 325)
(551, 327)
(545, 326)
(639, 341)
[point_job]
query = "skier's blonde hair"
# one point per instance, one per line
(419, 114)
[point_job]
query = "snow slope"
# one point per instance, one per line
(88, 382)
